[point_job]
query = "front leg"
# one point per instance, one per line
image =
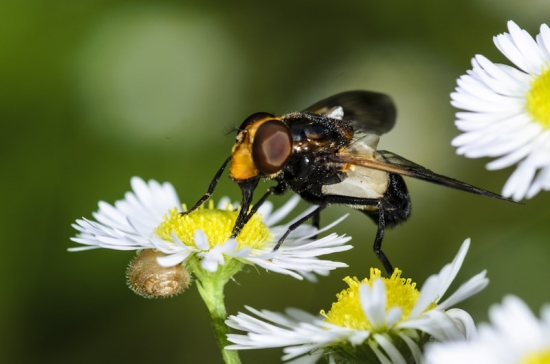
(244, 217)
(210, 189)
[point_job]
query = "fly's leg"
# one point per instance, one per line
(377, 247)
(316, 222)
(277, 190)
(210, 189)
(297, 224)
(378, 215)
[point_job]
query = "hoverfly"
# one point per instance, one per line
(327, 154)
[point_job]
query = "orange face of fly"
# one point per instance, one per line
(264, 145)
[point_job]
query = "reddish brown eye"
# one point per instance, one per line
(272, 146)
(253, 118)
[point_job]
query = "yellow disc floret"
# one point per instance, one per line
(347, 311)
(217, 225)
(541, 357)
(538, 98)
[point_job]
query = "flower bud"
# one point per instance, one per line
(149, 279)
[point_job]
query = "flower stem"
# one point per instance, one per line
(210, 287)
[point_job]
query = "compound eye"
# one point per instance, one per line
(254, 117)
(272, 146)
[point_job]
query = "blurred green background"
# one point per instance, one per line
(95, 92)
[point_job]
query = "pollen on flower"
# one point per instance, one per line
(347, 311)
(538, 98)
(540, 357)
(217, 225)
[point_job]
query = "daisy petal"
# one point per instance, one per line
(366, 320)
(505, 115)
(515, 335)
(149, 218)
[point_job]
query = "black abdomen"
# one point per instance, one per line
(396, 202)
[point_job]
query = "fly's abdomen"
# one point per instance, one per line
(397, 204)
(359, 182)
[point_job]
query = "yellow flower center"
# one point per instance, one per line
(541, 357)
(347, 311)
(538, 98)
(217, 225)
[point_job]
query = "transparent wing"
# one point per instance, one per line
(393, 163)
(369, 112)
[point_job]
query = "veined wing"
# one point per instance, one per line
(393, 163)
(367, 111)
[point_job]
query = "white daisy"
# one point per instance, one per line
(507, 111)
(148, 218)
(515, 336)
(375, 318)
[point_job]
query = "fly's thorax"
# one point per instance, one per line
(306, 169)
(317, 133)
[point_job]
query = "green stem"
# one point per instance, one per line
(210, 287)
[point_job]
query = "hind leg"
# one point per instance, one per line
(374, 208)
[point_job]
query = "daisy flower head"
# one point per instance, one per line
(507, 111)
(377, 319)
(514, 336)
(149, 218)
